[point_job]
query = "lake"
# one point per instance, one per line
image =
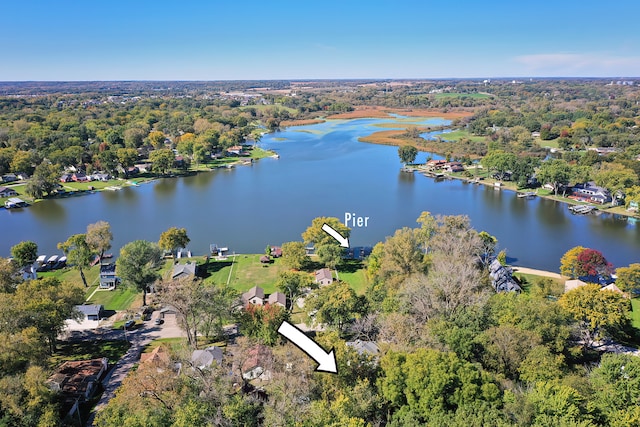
(322, 171)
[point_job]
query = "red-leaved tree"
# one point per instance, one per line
(592, 263)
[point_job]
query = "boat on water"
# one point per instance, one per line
(15, 202)
(582, 209)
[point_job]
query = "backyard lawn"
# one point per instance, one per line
(243, 272)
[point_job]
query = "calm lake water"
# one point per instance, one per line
(322, 171)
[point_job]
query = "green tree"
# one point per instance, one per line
(615, 177)
(22, 162)
(99, 237)
(556, 172)
(138, 264)
(162, 160)
(294, 255)
(24, 253)
(156, 138)
(334, 304)
(314, 234)
(173, 239)
(499, 161)
(407, 153)
(629, 278)
(425, 383)
(78, 253)
(108, 161)
(616, 386)
(293, 284)
(44, 180)
(127, 157)
(599, 312)
(330, 255)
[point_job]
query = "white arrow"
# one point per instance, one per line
(327, 361)
(344, 241)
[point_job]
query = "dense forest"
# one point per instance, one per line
(449, 349)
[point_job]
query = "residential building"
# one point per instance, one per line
(108, 278)
(277, 298)
(364, 347)
(7, 192)
(590, 192)
(184, 270)
(203, 359)
(91, 311)
(502, 278)
(323, 277)
(253, 296)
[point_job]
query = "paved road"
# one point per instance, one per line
(139, 338)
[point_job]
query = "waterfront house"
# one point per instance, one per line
(572, 284)
(436, 164)
(108, 279)
(236, 150)
(253, 296)
(184, 270)
(91, 311)
(9, 177)
(590, 192)
(277, 298)
(276, 251)
(502, 278)
(453, 167)
(66, 178)
(7, 192)
(323, 277)
(79, 177)
(100, 177)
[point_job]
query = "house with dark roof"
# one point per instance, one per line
(502, 278)
(91, 311)
(7, 192)
(184, 270)
(364, 347)
(277, 298)
(66, 178)
(79, 177)
(108, 279)
(203, 359)
(253, 296)
(323, 277)
(590, 192)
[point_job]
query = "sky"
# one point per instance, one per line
(67, 40)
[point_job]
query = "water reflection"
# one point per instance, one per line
(199, 180)
(165, 187)
(50, 211)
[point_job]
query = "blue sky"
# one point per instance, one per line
(214, 40)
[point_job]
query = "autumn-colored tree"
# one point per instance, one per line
(569, 262)
(592, 263)
(314, 234)
(294, 255)
(156, 138)
(99, 237)
(629, 278)
(173, 239)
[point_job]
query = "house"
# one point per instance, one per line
(572, 284)
(203, 359)
(179, 162)
(364, 347)
(613, 288)
(323, 277)
(276, 251)
(436, 164)
(256, 364)
(79, 177)
(78, 379)
(143, 167)
(100, 177)
(132, 171)
(236, 150)
(603, 151)
(108, 279)
(66, 178)
(91, 311)
(159, 356)
(7, 192)
(502, 278)
(454, 167)
(253, 296)
(9, 177)
(590, 192)
(277, 298)
(183, 270)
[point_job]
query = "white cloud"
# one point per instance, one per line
(574, 64)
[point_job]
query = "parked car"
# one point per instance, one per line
(158, 321)
(129, 324)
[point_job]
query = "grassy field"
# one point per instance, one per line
(82, 350)
(635, 312)
(353, 272)
(246, 272)
(72, 275)
(457, 135)
(119, 299)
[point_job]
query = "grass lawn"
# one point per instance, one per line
(354, 273)
(121, 298)
(457, 135)
(72, 275)
(81, 350)
(635, 313)
(18, 188)
(246, 272)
